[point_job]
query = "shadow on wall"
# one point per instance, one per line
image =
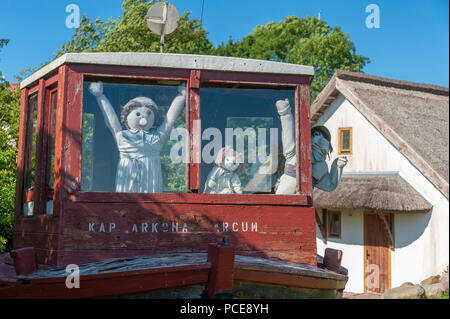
(408, 227)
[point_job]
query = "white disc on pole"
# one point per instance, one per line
(162, 18)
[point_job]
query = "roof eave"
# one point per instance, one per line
(173, 61)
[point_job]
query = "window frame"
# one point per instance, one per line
(330, 213)
(194, 80)
(126, 81)
(38, 193)
(49, 191)
(28, 150)
(341, 150)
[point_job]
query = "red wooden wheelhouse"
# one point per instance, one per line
(66, 205)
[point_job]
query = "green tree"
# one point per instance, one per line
(87, 36)
(130, 33)
(307, 41)
(9, 134)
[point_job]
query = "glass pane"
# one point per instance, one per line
(87, 151)
(28, 209)
(129, 144)
(345, 140)
(54, 99)
(248, 141)
(335, 224)
(30, 143)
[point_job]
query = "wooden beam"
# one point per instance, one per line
(41, 153)
(21, 153)
(387, 229)
(321, 227)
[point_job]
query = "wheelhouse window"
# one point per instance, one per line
(52, 135)
(244, 148)
(30, 151)
(345, 140)
(128, 137)
(30, 155)
(51, 106)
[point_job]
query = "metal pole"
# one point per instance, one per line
(163, 26)
(201, 23)
(162, 43)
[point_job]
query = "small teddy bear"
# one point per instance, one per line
(139, 144)
(224, 177)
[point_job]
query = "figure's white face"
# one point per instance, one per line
(229, 163)
(319, 146)
(141, 118)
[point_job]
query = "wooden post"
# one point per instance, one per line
(303, 129)
(220, 279)
(24, 260)
(41, 153)
(321, 224)
(21, 154)
(332, 259)
(194, 130)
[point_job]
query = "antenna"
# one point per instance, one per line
(162, 18)
(201, 24)
(319, 16)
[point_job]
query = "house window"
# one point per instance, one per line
(345, 140)
(334, 224)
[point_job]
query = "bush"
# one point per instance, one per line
(9, 133)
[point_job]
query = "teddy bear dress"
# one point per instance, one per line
(139, 167)
(226, 182)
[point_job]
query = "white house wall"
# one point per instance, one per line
(352, 245)
(421, 240)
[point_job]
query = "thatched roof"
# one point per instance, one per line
(389, 193)
(414, 117)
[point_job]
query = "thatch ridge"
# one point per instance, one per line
(388, 82)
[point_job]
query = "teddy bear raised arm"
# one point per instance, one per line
(139, 144)
(320, 148)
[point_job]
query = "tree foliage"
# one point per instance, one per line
(9, 135)
(87, 36)
(130, 33)
(307, 41)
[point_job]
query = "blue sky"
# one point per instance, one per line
(411, 44)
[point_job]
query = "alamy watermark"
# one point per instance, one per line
(258, 141)
(73, 19)
(373, 277)
(373, 19)
(73, 278)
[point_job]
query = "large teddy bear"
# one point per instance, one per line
(138, 142)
